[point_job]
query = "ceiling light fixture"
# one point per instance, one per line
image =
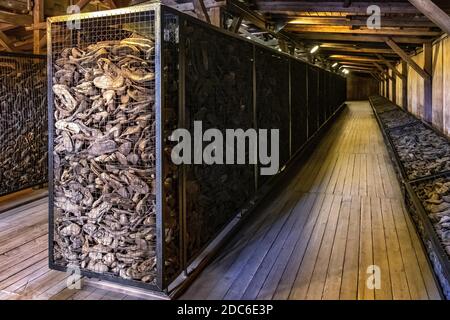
(314, 49)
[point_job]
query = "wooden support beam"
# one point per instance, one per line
(407, 58)
(16, 19)
(358, 38)
(434, 13)
(390, 66)
(236, 24)
(405, 85)
(38, 17)
(428, 82)
(81, 4)
(363, 31)
(215, 14)
(328, 6)
(283, 45)
(5, 42)
(394, 87)
(200, 10)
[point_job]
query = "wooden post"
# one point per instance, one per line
(394, 88)
(215, 14)
(283, 45)
(387, 87)
(428, 82)
(405, 85)
(38, 16)
(236, 24)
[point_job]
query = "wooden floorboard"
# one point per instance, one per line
(340, 216)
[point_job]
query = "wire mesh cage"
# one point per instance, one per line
(23, 122)
(105, 147)
(120, 83)
(272, 100)
(299, 105)
(219, 94)
(313, 100)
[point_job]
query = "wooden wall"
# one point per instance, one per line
(361, 87)
(441, 87)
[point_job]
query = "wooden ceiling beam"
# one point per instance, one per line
(434, 13)
(360, 21)
(354, 58)
(356, 67)
(353, 63)
(363, 31)
(357, 50)
(328, 6)
(390, 42)
(358, 38)
(16, 19)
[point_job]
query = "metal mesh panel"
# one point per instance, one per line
(23, 122)
(103, 142)
(171, 173)
(299, 108)
(330, 97)
(218, 93)
(313, 101)
(272, 100)
(323, 92)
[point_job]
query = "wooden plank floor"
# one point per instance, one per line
(341, 214)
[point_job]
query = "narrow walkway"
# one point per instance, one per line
(342, 214)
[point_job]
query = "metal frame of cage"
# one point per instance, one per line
(29, 58)
(165, 284)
